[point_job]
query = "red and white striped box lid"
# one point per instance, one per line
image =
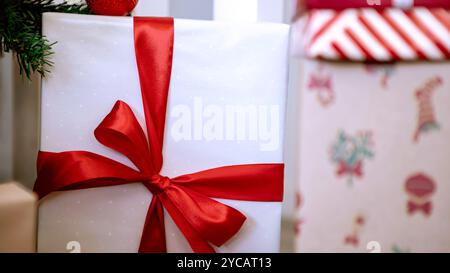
(376, 4)
(373, 35)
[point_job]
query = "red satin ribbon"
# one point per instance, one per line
(186, 198)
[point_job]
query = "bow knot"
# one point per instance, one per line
(157, 184)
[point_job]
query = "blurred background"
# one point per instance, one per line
(19, 97)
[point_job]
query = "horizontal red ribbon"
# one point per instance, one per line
(186, 198)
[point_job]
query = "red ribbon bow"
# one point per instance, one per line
(319, 82)
(186, 198)
(351, 240)
(344, 168)
(425, 208)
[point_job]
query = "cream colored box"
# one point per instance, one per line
(18, 215)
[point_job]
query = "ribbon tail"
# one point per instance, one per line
(153, 239)
(200, 218)
(194, 238)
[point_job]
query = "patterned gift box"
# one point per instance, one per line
(374, 148)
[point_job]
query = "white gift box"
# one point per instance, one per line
(226, 71)
(396, 137)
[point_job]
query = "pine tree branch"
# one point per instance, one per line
(21, 32)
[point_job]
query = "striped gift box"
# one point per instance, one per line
(378, 4)
(372, 35)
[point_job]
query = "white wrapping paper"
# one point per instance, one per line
(215, 65)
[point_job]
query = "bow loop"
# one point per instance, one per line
(121, 132)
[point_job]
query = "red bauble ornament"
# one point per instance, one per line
(112, 7)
